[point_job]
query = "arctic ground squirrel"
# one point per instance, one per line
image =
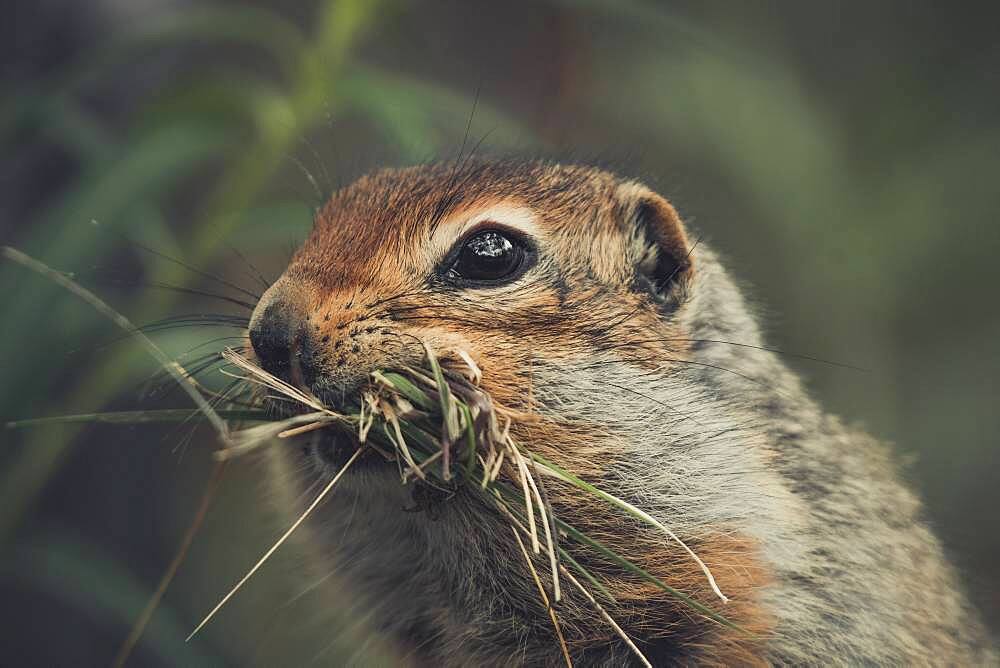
(585, 302)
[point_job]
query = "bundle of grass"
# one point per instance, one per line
(441, 430)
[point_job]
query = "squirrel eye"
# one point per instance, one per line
(489, 257)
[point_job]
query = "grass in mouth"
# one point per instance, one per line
(439, 427)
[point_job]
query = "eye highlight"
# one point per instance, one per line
(489, 257)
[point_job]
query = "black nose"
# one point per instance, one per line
(273, 333)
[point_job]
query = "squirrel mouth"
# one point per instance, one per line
(330, 449)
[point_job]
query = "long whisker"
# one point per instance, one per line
(675, 360)
(201, 293)
(201, 317)
(649, 398)
(194, 321)
(400, 295)
(309, 177)
(328, 182)
(159, 285)
(181, 263)
(800, 356)
(256, 273)
(442, 205)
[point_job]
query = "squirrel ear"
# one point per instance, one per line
(659, 248)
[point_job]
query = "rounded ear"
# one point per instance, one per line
(658, 247)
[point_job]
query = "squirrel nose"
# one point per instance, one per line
(275, 334)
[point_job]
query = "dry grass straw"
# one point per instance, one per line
(140, 623)
(441, 428)
(278, 543)
(545, 598)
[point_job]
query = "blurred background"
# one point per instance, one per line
(842, 156)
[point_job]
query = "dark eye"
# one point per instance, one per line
(489, 257)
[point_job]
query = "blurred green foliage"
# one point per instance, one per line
(843, 159)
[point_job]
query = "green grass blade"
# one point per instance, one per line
(406, 388)
(638, 513)
(449, 414)
(613, 556)
(139, 417)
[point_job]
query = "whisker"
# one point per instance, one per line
(649, 398)
(203, 317)
(809, 358)
(159, 285)
(328, 182)
(202, 293)
(256, 273)
(309, 177)
(400, 295)
(675, 360)
(181, 263)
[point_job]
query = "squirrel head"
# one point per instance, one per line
(513, 263)
(575, 292)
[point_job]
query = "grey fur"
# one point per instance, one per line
(859, 576)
